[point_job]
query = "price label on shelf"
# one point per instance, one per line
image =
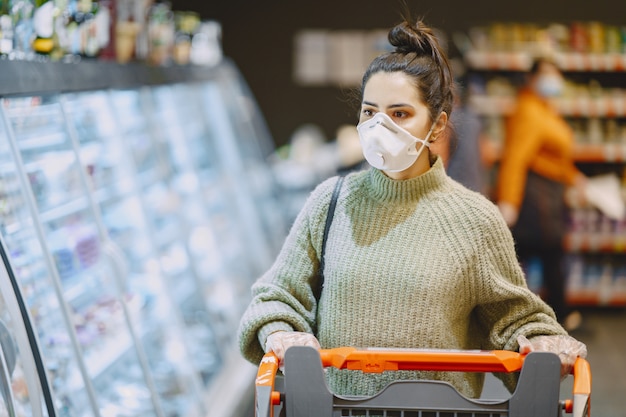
(620, 62)
(594, 242)
(574, 242)
(576, 62)
(620, 151)
(619, 244)
(611, 62)
(613, 152)
(596, 62)
(617, 105)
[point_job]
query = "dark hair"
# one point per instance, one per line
(538, 62)
(419, 55)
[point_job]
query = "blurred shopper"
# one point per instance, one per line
(536, 167)
(465, 163)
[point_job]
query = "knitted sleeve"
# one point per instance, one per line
(283, 298)
(506, 307)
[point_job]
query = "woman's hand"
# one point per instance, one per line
(566, 347)
(279, 342)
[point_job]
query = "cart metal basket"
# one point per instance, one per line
(303, 391)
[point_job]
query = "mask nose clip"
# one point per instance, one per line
(387, 126)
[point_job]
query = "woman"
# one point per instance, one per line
(536, 166)
(413, 258)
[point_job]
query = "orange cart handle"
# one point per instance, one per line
(582, 377)
(578, 405)
(265, 396)
(376, 360)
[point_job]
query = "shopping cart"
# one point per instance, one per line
(303, 391)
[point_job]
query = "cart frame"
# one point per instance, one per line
(306, 394)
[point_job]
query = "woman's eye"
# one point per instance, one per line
(367, 112)
(399, 114)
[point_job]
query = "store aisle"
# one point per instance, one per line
(604, 332)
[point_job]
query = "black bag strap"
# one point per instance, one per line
(329, 220)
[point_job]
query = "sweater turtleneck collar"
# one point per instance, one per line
(387, 189)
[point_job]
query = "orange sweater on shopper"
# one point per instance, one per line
(537, 139)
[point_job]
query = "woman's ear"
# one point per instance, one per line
(440, 141)
(440, 125)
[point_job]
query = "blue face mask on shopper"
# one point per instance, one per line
(549, 86)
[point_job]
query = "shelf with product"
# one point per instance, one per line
(592, 57)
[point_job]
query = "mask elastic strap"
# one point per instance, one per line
(425, 142)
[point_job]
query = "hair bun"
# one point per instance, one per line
(418, 54)
(419, 39)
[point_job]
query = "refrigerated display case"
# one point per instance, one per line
(24, 389)
(24, 383)
(135, 219)
(94, 334)
(121, 182)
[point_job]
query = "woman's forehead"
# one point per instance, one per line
(385, 88)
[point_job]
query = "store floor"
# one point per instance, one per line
(604, 332)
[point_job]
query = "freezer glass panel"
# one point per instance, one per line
(215, 237)
(21, 385)
(255, 145)
(104, 148)
(30, 262)
(15, 392)
(39, 130)
(97, 344)
(245, 180)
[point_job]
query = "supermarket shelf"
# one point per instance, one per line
(608, 152)
(595, 297)
(28, 77)
(567, 61)
(607, 106)
(585, 294)
(582, 153)
(588, 296)
(591, 56)
(589, 243)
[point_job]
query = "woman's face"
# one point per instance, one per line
(394, 94)
(548, 81)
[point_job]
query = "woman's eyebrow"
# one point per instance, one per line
(368, 103)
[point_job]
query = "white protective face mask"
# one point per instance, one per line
(550, 86)
(387, 146)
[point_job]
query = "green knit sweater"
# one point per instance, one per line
(418, 263)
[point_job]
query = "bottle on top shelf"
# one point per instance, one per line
(43, 23)
(6, 29)
(22, 12)
(161, 29)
